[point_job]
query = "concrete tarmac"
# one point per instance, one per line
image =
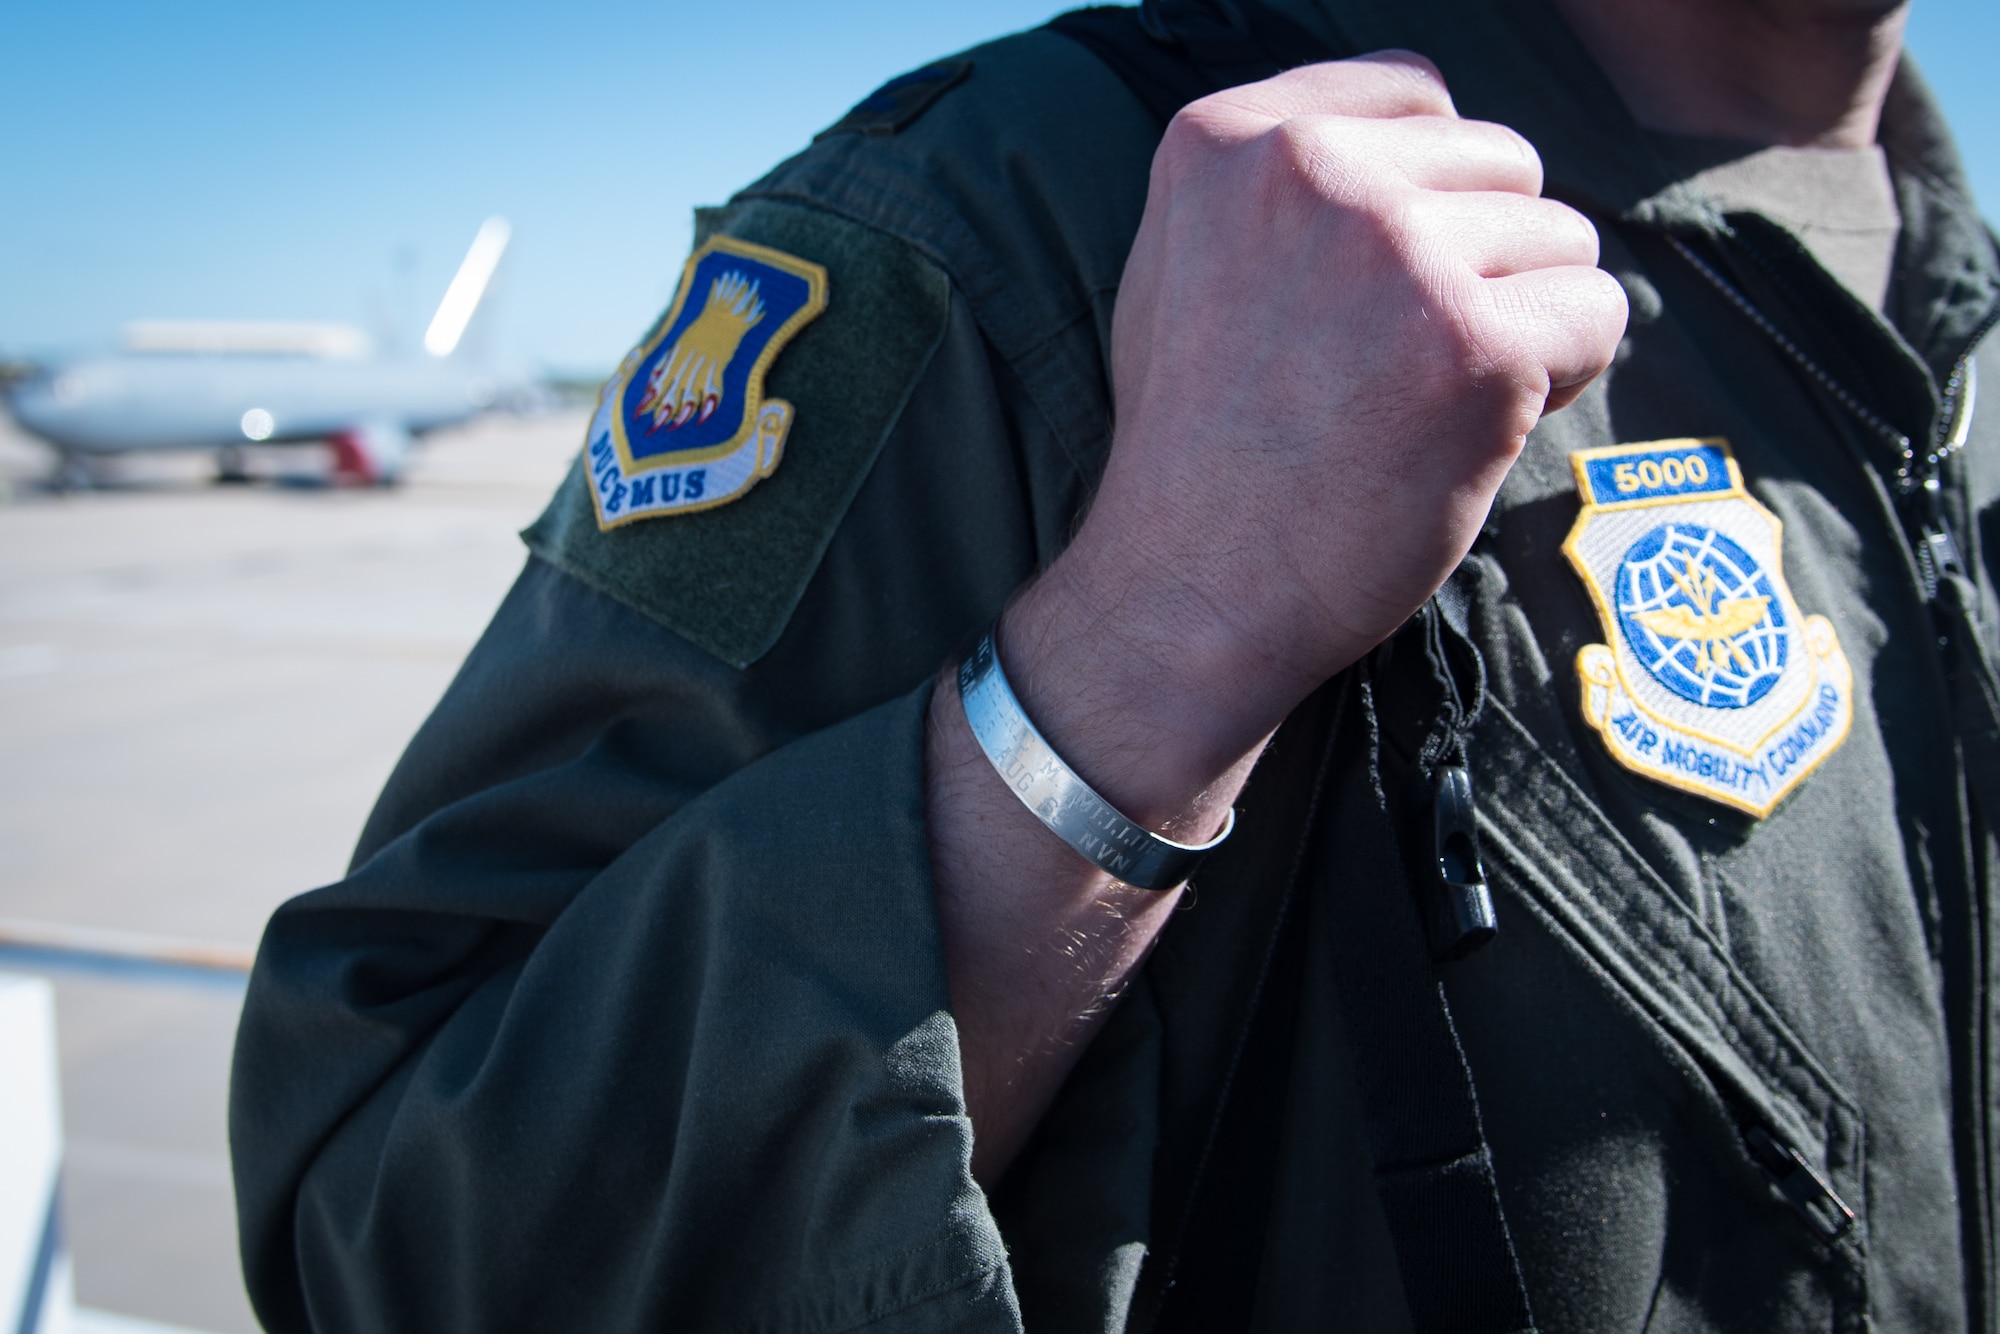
(201, 690)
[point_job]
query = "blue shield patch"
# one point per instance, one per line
(684, 424)
(1702, 616)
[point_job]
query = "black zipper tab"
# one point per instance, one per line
(1803, 1187)
(1937, 551)
(1459, 914)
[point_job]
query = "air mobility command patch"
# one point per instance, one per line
(683, 423)
(1714, 682)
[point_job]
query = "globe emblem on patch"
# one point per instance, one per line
(1702, 617)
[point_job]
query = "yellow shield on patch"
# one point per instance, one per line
(1713, 681)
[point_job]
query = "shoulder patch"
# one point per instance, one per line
(683, 424)
(1713, 681)
(728, 577)
(901, 100)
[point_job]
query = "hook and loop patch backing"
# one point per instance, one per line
(793, 431)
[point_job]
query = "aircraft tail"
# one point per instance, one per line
(468, 287)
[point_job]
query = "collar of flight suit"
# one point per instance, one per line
(1518, 63)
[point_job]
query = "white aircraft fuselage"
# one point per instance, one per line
(146, 401)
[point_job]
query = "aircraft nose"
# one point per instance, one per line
(26, 396)
(18, 393)
(38, 402)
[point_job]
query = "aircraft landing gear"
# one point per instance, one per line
(73, 473)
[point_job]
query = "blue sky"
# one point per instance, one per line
(219, 159)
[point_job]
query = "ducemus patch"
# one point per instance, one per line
(1714, 681)
(683, 424)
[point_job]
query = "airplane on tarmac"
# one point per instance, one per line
(221, 385)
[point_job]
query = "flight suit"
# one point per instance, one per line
(631, 1012)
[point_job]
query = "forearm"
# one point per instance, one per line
(1038, 942)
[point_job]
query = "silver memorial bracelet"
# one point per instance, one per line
(1058, 797)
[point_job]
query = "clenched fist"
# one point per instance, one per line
(1344, 310)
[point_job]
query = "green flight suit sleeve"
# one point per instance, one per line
(631, 1013)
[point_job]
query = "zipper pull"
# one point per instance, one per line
(1937, 551)
(1803, 1188)
(1458, 912)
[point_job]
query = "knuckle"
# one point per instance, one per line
(1294, 163)
(1587, 238)
(1608, 297)
(1571, 216)
(1564, 225)
(1518, 142)
(1505, 144)
(1295, 144)
(1418, 68)
(1192, 130)
(1323, 158)
(1195, 136)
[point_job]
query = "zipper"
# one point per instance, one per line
(1918, 482)
(1937, 551)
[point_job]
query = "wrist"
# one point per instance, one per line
(1153, 702)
